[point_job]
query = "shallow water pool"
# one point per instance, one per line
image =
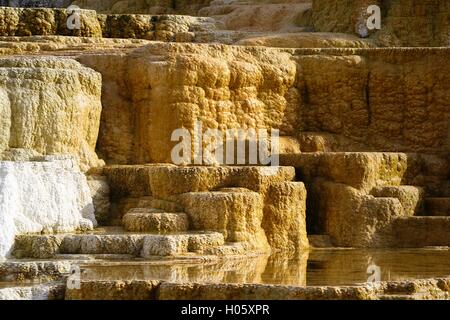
(330, 267)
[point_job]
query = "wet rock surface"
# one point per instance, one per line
(364, 140)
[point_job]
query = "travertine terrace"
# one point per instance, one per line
(88, 179)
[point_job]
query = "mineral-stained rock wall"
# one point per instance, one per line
(47, 22)
(50, 106)
(250, 205)
(364, 154)
(260, 15)
(355, 197)
(404, 23)
(44, 21)
(173, 86)
(190, 7)
(347, 16)
(375, 100)
(415, 23)
(389, 101)
(39, 197)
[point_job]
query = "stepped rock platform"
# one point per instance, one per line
(97, 190)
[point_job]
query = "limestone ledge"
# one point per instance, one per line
(286, 15)
(404, 23)
(431, 289)
(154, 290)
(246, 204)
(49, 106)
(140, 245)
(23, 272)
(47, 22)
(256, 87)
(344, 112)
(61, 45)
(165, 181)
(369, 199)
(146, 6)
(50, 291)
(360, 170)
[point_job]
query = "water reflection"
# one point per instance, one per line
(322, 267)
(337, 267)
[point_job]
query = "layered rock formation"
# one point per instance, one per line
(388, 101)
(187, 7)
(46, 22)
(40, 197)
(223, 87)
(363, 125)
(248, 206)
(404, 23)
(49, 106)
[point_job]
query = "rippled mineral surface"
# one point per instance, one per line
(285, 149)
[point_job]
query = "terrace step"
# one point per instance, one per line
(437, 206)
(163, 205)
(418, 232)
(33, 271)
(46, 291)
(115, 243)
(411, 197)
(94, 257)
(229, 249)
(396, 297)
(155, 220)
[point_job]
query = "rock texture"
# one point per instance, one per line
(260, 16)
(389, 100)
(35, 3)
(51, 106)
(154, 290)
(47, 22)
(116, 243)
(144, 6)
(42, 197)
(404, 23)
(38, 292)
(114, 290)
(223, 87)
(44, 21)
(248, 205)
(359, 198)
(22, 272)
(285, 216)
(100, 191)
(155, 220)
(237, 215)
(362, 90)
(363, 125)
